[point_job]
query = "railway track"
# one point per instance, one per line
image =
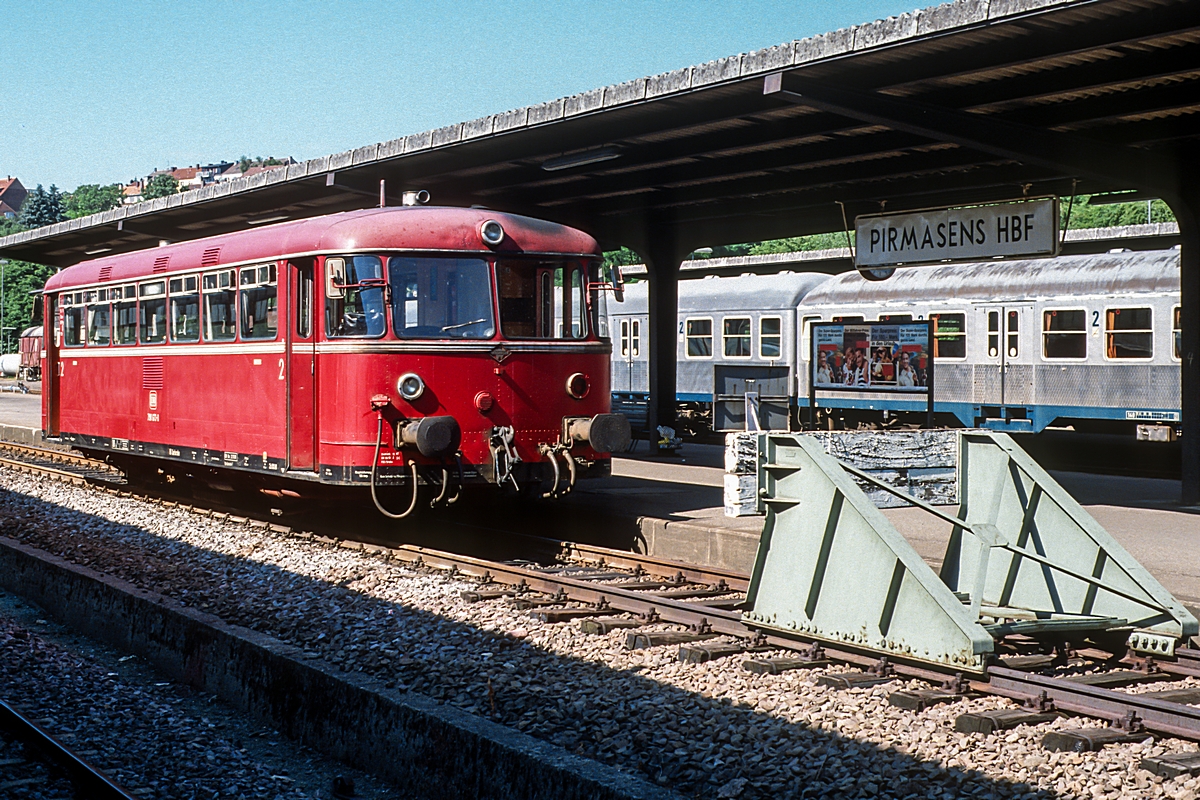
(603, 589)
(58, 764)
(63, 464)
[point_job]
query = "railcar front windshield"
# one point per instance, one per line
(441, 297)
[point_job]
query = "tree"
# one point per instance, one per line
(42, 207)
(160, 186)
(21, 279)
(92, 198)
(1110, 215)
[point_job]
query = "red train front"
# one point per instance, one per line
(457, 345)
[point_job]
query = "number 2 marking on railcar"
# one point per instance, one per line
(281, 369)
(1095, 319)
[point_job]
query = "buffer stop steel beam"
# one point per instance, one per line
(1023, 559)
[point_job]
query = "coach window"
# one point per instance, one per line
(854, 318)
(73, 316)
(949, 335)
(152, 319)
(770, 337)
(635, 337)
(1129, 333)
(99, 318)
(993, 319)
(895, 318)
(259, 292)
(125, 316)
(1064, 333)
(185, 308)
(441, 298)
(220, 305)
(624, 338)
(699, 338)
(354, 299)
(1014, 334)
(735, 334)
(1176, 332)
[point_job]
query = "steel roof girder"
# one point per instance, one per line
(1113, 165)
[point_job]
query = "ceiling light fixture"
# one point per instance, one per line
(265, 220)
(582, 159)
(97, 251)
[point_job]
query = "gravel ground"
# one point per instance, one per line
(155, 738)
(708, 730)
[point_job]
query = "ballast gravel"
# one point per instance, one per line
(707, 730)
(157, 739)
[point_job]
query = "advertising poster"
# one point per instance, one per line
(871, 356)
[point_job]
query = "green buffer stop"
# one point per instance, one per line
(1023, 558)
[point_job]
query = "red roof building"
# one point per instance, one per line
(12, 195)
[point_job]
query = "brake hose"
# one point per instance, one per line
(375, 470)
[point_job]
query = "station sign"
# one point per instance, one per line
(1020, 229)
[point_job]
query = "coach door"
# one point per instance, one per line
(1004, 376)
(301, 355)
(628, 353)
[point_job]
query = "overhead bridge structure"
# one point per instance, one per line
(966, 102)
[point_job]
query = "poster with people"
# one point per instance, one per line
(871, 356)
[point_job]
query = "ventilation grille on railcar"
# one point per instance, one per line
(106, 272)
(211, 257)
(160, 263)
(152, 372)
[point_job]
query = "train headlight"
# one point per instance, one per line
(410, 386)
(577, 385)
(492, 233)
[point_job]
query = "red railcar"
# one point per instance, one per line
(372, 347)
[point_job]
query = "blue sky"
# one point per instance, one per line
(101, 92)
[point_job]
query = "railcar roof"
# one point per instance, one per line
(781, 291)
(1101, 274)
(406, 227)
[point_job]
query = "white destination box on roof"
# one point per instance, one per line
(1004, 230)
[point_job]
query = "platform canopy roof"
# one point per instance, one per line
(970, 101)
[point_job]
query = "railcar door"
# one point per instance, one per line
(300, 361)
(1004, 375)
(50, 364)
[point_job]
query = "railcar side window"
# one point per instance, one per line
(356, 306)
(735, 334)
(1176, 331)
(185, 309)
(852, 318)
(124, 314)
(624, 337)
(73, 316)
(895, 318)
(441, 298)
(542, 299)
(1014, 331)
(259, 292)
(99, 318)
(993, 319)
(1128, 333)
(1064, 333)
(699, 338)
(152, 319)
(635, 338)
(770, 337)
(220, 305)
(949, 335)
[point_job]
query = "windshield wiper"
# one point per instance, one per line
(462, 325)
